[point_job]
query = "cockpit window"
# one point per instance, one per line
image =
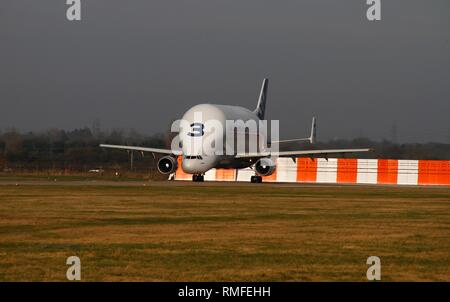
(193, 157)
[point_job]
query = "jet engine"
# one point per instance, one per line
(265, 167)
(167, 164)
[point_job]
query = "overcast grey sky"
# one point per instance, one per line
(142, 63)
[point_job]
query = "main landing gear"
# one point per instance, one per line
(256, 179)
(197, 178)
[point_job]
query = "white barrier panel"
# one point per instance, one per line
(210, 175)
(286, 170)
(245, 174)
(408, 172)
(327, 170)
(367, 171)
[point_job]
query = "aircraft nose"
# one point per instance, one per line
(193, 166)
(196, 166)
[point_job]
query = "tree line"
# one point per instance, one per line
(75, 150)
(78, 150)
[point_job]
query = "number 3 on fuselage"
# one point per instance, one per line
(197, 129)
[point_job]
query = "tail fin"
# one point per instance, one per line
(312, 137)
(261, 107)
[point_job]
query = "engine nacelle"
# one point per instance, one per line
(265, 167)
(167, 164)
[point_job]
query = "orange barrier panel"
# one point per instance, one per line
(179, 174)
(434, 172)
(270, 178)
(387, 171)
(225, 174)
(306, 170)
(347, 170)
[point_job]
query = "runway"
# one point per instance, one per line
(178, 183)
(184, 231)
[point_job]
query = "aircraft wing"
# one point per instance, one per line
(143, 149)
(300, 153)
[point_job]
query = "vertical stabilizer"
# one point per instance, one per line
(261, 107)
(312, 138)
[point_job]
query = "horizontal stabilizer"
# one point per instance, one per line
(300, 153)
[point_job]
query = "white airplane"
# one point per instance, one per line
(198, 162)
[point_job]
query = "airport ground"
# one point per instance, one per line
(132, 230)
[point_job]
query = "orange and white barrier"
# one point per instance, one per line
(342, 170)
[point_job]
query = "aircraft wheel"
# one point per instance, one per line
(256, 179)
(197, 178)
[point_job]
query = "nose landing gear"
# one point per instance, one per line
(197, 178)
(256, 179)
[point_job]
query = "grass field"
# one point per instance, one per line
(206, 232)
